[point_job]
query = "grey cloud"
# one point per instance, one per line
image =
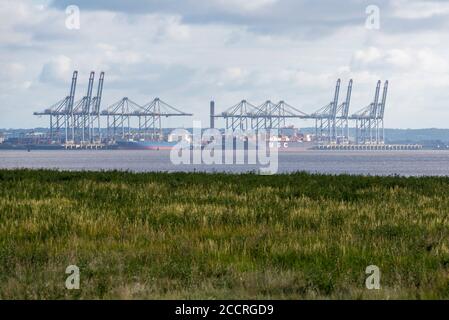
(150, 79)
(143, 60)
(396, 25)
(308, 18)
(301, 17)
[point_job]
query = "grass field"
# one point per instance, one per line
(182, 235)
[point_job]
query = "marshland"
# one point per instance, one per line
(222, 236)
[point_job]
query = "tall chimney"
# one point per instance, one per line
(212, 114)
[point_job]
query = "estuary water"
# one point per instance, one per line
(405, 163)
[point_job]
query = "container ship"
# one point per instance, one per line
(292, 146)
(283, 146)
(145, 145)
(9, 146)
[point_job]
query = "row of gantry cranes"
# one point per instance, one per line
(80, 121)
(332, 122)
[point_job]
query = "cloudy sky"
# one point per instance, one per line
(189, 51)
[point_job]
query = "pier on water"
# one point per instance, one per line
(368, 147)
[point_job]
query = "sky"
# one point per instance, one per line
(187, 52)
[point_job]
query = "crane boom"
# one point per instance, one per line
(335, 101)
(376, 100)
(384, 99)
(72, 92)
(89, 92)
(348, 100)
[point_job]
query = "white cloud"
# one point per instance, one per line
(412, 9)
(368, 55)
(15, 14)
(422, 60)
(187, 63)
(11, 70)
(234, 73)
(173, 29)
(57, 69)
(248, 5)
(399, 58)
(430, 61)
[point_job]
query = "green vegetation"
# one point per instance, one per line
(190, 235)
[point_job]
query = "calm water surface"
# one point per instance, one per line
(407, 163)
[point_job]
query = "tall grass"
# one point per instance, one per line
(191, 235)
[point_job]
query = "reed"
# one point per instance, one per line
(219, 236)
